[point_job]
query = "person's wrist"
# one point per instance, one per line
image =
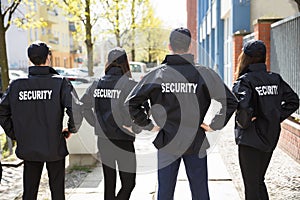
(149, 127)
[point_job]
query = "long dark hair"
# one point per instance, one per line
(244, 61)
(117, 57)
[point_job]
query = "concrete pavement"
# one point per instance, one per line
(220, 182)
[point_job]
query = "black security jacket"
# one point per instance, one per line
(34, 118)
(267, 97)
(180, 95)
(106, 113)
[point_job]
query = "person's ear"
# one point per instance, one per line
(48, 60)
(170, 47)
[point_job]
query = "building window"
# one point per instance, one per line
(57, 62)
(227, 51)
(44, 31)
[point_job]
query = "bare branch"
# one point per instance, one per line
(95, 20)
(11, 9)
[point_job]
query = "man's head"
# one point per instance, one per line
(38, 53)
(180, 40)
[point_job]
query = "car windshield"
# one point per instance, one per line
(135, 68)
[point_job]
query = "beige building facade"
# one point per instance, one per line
(57, 34)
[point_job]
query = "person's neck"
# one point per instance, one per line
(43, 65)
(180, 52)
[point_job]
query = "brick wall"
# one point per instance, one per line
(237, 44)
(262, 31)
(290, 139)
(192, 24)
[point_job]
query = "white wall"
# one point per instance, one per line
(225, 7)
(16, 44)
(272, 8)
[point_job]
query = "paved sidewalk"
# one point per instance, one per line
(220, 182)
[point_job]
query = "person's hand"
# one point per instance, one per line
(206, 127)
(155, 129)
(66, 133)
(253, 118)
(129, 128)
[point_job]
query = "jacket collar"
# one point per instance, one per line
(41, 70)
(257, 67)
(254, 67)
(179, 59)
(116, 71)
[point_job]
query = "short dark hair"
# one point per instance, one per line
(180, 39)
(38, 52)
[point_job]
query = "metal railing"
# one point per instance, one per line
(285, 51)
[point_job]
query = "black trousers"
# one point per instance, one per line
(32, 175)
(254, 164)
(119, 153)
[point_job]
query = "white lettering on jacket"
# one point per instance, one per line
(267, 90)
(107, 93)
(179, 87)
(32, 95)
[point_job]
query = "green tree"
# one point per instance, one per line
(155, 37)
(7, 18)
(123, 18)
(81, 12)
(7, 11)
(116, 15)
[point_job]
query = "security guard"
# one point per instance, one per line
(265, 100)
(103, 108)
(180, 94)
(31, 112)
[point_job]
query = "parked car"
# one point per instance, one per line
(15, 74)
(81, 72)
(138, 70)
(71, 75)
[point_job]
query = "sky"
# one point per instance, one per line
(172, 12)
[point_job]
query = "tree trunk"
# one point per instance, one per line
(133, 45)
(3, 57)
(88, 41)
(117, 28)
(133, 30)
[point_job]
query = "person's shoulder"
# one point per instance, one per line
(158, 69)
(274, 74)
(18, 81)
(57, 76)
(205, 71)
(203, 68)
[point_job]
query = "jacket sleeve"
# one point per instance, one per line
(220, 93)
(5, 116)
(290, 101)
(88, 104)
(136, 101)
(245, 112)
(128, 121)
(72, 104)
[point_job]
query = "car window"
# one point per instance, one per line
(15, 74)
(135, 68)
(61, 72)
